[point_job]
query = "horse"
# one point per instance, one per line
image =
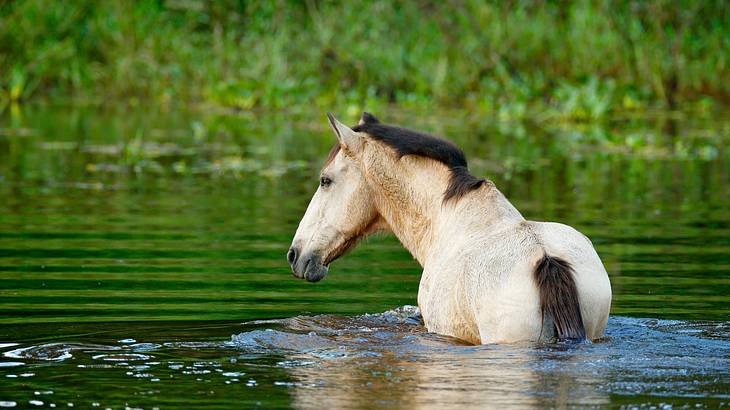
(489, 275)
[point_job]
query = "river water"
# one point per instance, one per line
(142, 265)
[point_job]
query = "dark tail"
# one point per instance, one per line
(559, 298)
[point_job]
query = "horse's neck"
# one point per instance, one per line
(414, 209)
(409, 208)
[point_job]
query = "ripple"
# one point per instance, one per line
(329, 354)
(333, 337)
(638, 356)
(273, 339)
(122, 357)
(54, 351)
(144, 347)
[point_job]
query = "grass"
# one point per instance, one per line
(567, 61)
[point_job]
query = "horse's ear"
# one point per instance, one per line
(349, 139)
(367, 118)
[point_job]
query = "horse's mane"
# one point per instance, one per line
(408, 142)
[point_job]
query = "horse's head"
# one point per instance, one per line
(341, 212)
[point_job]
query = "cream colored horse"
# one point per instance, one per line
(489, 275)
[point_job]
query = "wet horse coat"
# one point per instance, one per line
(489, 275)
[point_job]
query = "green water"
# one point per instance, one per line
(153, 235)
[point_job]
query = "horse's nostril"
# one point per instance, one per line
(291, 256)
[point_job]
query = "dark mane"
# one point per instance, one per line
(408, 142)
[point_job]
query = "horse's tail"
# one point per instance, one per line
(559, 298)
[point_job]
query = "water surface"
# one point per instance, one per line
(142, 264)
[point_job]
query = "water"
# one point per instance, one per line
(333, 361)
(142, 264)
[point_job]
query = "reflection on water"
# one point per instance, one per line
(354, 362)
(134, 243)
(389, 360)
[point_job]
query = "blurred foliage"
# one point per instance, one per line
(568, 60)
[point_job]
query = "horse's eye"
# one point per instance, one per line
(325, 182)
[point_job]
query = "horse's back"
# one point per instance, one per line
(592, 283)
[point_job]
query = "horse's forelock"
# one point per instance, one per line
(331, 156)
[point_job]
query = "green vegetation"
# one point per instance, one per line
(565, 60)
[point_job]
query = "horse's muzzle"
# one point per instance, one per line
(307, 266)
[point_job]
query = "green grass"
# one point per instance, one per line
(573, 61)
